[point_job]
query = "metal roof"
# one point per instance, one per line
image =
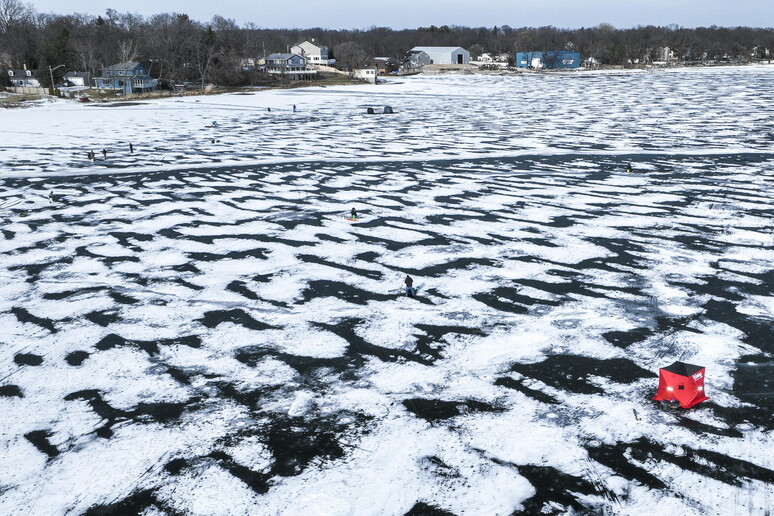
(283, 56)
(128, 65)
(437, 49)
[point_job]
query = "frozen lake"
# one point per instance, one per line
(196, 329)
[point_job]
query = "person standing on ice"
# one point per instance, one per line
(353, 214)
(104, 153)
(409, 281)
(628, 167)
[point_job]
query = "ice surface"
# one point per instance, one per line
(197, 329)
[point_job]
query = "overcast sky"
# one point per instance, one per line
(400, 14)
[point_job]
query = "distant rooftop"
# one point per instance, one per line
(128, 65)
(436, 49)
(283, 56)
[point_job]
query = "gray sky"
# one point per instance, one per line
(399, 14)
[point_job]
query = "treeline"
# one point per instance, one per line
(177, 48)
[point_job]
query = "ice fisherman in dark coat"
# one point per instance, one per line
(409, 281)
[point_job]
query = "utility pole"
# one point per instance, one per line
(51, 71)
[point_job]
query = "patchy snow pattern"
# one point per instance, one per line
(196, 329)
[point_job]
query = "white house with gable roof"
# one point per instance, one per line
(24, 78)
(313, 53)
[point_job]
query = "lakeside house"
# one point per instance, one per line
(414, 61)
(247, 64)
(289, 65)
(552, 60)
(24, 78)
(385, 65)
(77, 79)
(129, 77)
(366, 74)
(313, 53)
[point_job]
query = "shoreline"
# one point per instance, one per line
(30, 100)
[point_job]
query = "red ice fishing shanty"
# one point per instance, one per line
(683, 383)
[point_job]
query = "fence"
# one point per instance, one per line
(28, 89)
(324, 68)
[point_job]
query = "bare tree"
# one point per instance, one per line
(350, 55)
(12, 12)
(475, 51)
(205, 51)
(127, 50)
(15, 17)
(551, 60)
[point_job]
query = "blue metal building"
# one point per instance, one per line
(552, 60)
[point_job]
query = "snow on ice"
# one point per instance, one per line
(196, 328)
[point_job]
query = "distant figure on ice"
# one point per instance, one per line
(628, 167)
(269, 110)
(370, 111)
(104, 153)
(353, 214)
(131, 148)
(294, 108)
(409, 281)
(52, 197)
(214, 123)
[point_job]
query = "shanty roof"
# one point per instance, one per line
(683, 369)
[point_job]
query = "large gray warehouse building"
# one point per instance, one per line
(445, 55)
